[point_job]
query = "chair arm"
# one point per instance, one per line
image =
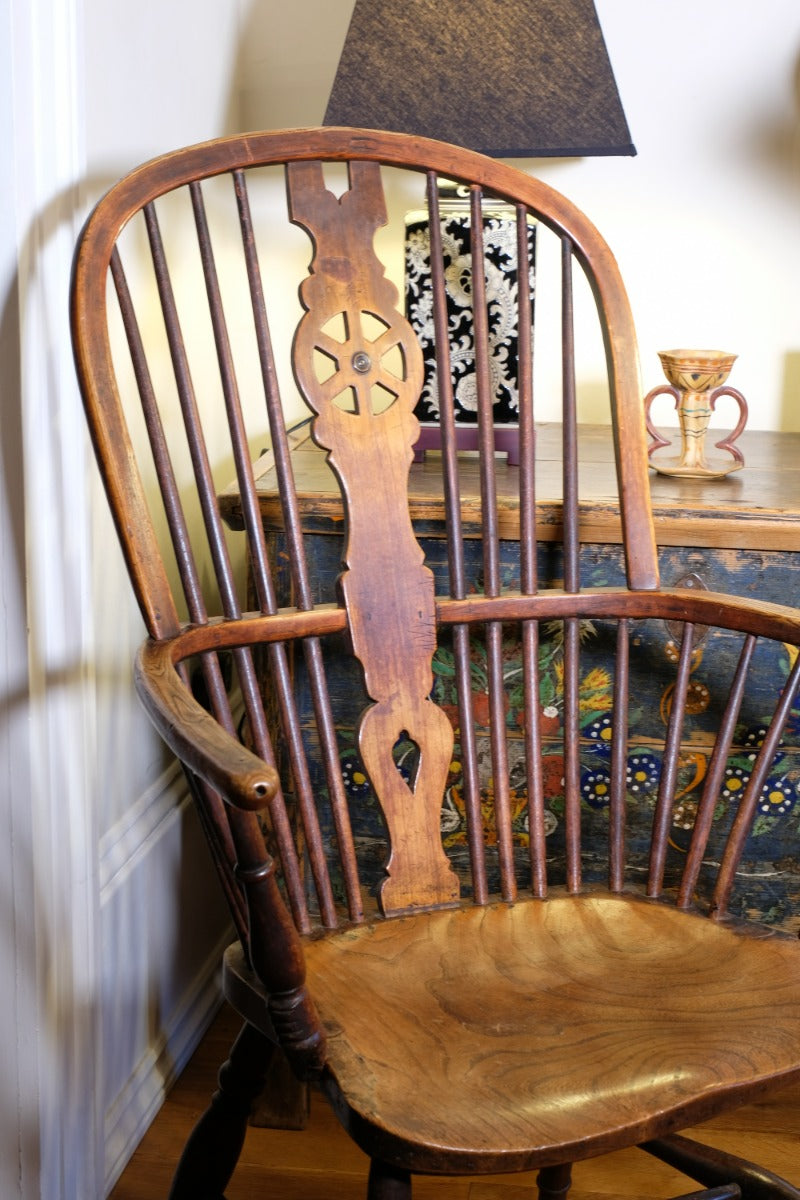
(195, 736)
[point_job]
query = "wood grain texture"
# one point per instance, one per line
(387, 589)
(758, 508)
(547, 1032)
(323, 1161)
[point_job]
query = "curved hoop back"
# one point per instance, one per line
(359, 367)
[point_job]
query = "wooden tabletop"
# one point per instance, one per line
(756, 508)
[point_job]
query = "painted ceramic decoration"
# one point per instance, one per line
(697, 379)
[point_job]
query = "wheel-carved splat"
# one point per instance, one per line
(386, 587)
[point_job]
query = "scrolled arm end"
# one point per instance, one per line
(196, 737)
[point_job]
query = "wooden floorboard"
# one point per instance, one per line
(320, 1163)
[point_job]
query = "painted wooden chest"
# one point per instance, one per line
(740, 535)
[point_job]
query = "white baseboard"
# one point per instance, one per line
(140, 860)
(133, 1111)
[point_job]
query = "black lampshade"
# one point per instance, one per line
(511, 78)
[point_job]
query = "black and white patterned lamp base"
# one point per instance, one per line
(502, 281)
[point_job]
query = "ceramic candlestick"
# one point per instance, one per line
(697, 379)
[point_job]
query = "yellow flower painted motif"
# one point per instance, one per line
(595, 688)
(595, 691)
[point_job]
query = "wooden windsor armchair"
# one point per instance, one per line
(479, 938)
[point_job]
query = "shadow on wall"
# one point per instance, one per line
(786, 140)
(65, 1046)
(44, 935)
(59, 214)
(774, 139)
(286, 63)
(790, 393)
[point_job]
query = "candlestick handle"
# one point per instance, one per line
(729, 439)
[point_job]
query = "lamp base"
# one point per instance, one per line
(506, 441)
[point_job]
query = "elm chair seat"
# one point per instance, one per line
(532, 1024)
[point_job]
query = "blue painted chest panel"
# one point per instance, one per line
(768, 882)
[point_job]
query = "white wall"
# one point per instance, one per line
(155, 76)
(704, 221)
(103, 987)
(105, 981)
(19, 1094)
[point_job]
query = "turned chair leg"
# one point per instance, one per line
(214, 1146)
(388, 1183)
(716, 1168)
(554, 1182)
